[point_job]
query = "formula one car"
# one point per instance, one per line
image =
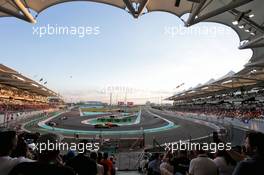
(111, 125)
(52, 124)
(101, 126)
(64, 118)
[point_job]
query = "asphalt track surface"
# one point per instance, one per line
(74, 122)
(185, 130)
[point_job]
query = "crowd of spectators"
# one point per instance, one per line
(18, 157)
(243, 112)
(13, 100)
(245, 160)
(17, 94)
(244, 105)
(26, 107)
(17, 100)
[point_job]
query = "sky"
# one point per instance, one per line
(134, 59)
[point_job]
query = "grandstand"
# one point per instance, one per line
(227, 111)
(236, 96)
(21, 96)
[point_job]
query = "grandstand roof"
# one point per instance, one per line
(246, 17)
(10, 77)
(224, 85)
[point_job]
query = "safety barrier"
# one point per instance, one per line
(253, 124)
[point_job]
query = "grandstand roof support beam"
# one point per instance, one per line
(130, 8)
(252, 43)
(194, 13)
(256, 64)
(249, 21)
(247, 78)
(25, 11)
(230, 6)
(136, 12)
(12, 13)
(220, 86)
(142, 6)
(253, 46)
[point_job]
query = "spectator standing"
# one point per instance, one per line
(143, 165)
(224, 163)
(49, 161)
(112, 159)
(154, 165)
(100, 168)
(181, 163)
(166, 167)
(8, 143)
(82, 164)
(107, 164)
(202, 165)
(254, 144)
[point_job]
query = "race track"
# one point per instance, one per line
(161, 125)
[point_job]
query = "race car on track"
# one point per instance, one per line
(64, 118)
(106, 125)
(52, 124)
(101, 126)
(111, 125)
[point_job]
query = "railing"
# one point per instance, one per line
(128, 160)
(17, 117)
(253, 124)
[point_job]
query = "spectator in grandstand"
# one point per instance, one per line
(216, 138)
(100, 168)
(107, 164)
(22, 149)
(99, 157)
(154, 165)
(166, 167)
(112, 159)
(8, 142)
(244, 112)
(70, 154)
(181, 163)
(202, 165)
(143, 165)
(30, 137)
(82, 163)
(49, 161)
(254, 144)
(224, 163)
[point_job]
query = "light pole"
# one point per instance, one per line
(143, 136)
(111, 95)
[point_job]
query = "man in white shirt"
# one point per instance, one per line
(100, 168)
(7, 145)
(202, 165)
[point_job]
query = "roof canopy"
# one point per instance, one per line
(10, 77)
(226, 84)
(246, 17)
